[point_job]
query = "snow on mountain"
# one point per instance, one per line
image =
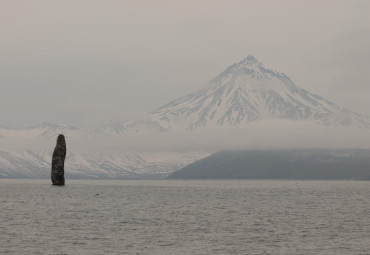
(119, 165)
(246, 92)
(44, 130)
(102, 152)
(127, 127)
(91, 153)
(176, 134)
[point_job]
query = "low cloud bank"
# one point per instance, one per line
(260, 135)
(271, 134)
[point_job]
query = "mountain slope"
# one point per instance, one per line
(103, 153)
(94, 165)
(280, 164)
(247, 92)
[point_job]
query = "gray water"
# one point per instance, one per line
(185, 217)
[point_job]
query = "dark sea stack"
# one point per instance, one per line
(57, 164)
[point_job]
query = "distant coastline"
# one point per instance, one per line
(304, 164)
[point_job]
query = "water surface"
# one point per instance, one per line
(185, 217)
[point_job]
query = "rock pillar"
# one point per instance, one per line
(57, 165)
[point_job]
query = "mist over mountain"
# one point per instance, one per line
(247, 106)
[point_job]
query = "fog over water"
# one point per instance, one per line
(91, 63)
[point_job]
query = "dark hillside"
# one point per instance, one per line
(281, 164)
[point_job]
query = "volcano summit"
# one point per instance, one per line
(246, 92)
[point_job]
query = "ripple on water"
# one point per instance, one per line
(189, 217)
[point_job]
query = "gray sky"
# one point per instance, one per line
(86, 62)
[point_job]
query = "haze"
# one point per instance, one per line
(86, 63)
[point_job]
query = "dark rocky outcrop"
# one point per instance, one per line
(57, 165)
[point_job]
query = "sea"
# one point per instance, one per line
(185, 217)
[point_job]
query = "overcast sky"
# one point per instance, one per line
(85, 63)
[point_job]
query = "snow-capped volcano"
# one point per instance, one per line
(246, 92)
(177, 133)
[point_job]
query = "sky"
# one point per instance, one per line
(87, 62)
